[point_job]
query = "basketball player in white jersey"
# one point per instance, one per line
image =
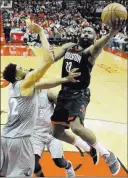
(16, 148)
(42, 135)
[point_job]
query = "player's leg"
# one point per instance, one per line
(38, 171)
(38, 146)
(77, 110)
(60, 121)
(61, 116)
(79, 130)
(87, 135)
(56, 150)
(59, 132)
(76, 118)
(21, 157)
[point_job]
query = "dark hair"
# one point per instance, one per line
(9, 73)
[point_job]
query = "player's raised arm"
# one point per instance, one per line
(46, 57)
(56, 82)
(99, 44)
(39, 30)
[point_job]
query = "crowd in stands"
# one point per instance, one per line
(62, 20)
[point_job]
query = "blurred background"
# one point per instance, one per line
(62, 21)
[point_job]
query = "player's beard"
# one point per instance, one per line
(85, 42)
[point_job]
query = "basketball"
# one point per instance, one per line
(113, 11)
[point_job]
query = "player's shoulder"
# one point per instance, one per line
(68, 45)
(14, 85)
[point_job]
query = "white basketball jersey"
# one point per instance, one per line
(22, 113)
(45, 110)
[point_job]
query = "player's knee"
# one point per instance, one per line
(37, 167)
(76, 126)
(76, 130)
(60, 162)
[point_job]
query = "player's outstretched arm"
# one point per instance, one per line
(95, 49)
(56, 82)
(62, 50)
(46, 57)
(45, 44)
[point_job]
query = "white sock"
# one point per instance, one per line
(101, 149)
(82, 144)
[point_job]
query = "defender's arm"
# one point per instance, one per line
(56, 82)
(46, 57)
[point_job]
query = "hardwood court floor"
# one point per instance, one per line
(106, 114)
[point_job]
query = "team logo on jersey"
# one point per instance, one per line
(73, 56)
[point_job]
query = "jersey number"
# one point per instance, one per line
(14, 111)
(41, 113)
(68, 66)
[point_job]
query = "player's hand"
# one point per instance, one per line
(33, 26)
(120, 23)
(73, 74)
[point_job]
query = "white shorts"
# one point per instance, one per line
(17, 157)
(54, 146)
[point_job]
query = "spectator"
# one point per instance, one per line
(60, 15)
(7, 30)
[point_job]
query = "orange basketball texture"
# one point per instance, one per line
(113, 11)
